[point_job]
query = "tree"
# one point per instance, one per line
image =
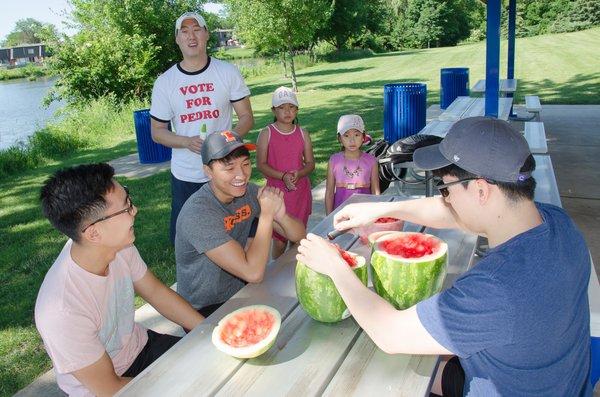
(279, 25)
(351, 19)
(121, 46)
(29, 31)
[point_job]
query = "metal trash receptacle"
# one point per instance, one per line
(454, 82)
(404, 110)
(149, 152)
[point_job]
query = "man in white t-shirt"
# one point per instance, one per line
(197, 96)
(85, 307)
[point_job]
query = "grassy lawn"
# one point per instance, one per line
(559, 68)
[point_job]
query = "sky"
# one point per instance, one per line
(47, 11)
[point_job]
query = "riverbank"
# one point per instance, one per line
(30, 71)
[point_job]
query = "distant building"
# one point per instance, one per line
(22, 54)
(225, 38)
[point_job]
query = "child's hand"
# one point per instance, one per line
(288, 179)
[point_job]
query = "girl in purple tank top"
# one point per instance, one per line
(350, 171)
(285, 157)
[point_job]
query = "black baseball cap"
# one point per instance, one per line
(484, 146)
(219, 144)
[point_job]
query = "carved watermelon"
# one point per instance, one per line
(247, 332)
(385, 224)
(317, 293)
(408, 267)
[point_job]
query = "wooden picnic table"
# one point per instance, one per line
(308, 358)
(507, 86)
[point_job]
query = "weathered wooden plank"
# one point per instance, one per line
(456, 109)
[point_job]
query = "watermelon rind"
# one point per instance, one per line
(406, 281)
(318, 295)
(247, 351)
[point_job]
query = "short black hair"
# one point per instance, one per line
(76, 195)
(514, 191)
(242, 151)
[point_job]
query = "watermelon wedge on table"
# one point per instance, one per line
(408, 267)
(247, 332)
(317, 293)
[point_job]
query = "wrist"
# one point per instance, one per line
(283, 175)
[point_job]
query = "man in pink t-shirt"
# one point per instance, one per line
(84, 310)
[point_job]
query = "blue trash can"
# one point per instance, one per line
(149, 151)
(404, 108)
(453, 82)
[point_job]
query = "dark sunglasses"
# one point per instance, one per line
(443, 187)
(129, 210)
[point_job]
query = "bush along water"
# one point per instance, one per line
(98, 123)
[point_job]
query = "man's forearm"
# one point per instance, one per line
(258, 253)
(172, 306)
(427, 211)
(245, 123)
(167, 138)
(294, 229)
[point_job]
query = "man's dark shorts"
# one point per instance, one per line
(155, 347)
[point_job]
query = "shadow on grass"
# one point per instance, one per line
(579, 89)
(333, 71)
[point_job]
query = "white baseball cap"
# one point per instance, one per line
(284, 95)
(350, 121)
(189, 15)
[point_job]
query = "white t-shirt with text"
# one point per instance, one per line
(190, 100)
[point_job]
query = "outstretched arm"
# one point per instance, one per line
(166, 301)
(428, 211)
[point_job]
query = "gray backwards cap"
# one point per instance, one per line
(219, 144)
(484, 146)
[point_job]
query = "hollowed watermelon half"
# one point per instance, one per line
(317, 293)
(386, 224)
(247, 332)
(408, 267)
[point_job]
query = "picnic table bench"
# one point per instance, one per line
(535, 134)
(533, 106)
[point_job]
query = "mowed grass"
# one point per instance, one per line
(559, 68)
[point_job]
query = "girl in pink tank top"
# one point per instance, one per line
(351, 170)
(285, 157)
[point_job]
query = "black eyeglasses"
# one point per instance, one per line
(443, 187)
(129, 210)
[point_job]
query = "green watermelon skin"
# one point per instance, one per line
(318, 296)
(404, 284)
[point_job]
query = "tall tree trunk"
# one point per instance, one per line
(292, 68)
(284, 62)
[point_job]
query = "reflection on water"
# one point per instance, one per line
(21, 110)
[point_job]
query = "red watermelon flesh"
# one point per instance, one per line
(350, 260)
(386, 219)
(247, 328)
(410, 246)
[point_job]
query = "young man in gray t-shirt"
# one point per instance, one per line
(216, 248)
